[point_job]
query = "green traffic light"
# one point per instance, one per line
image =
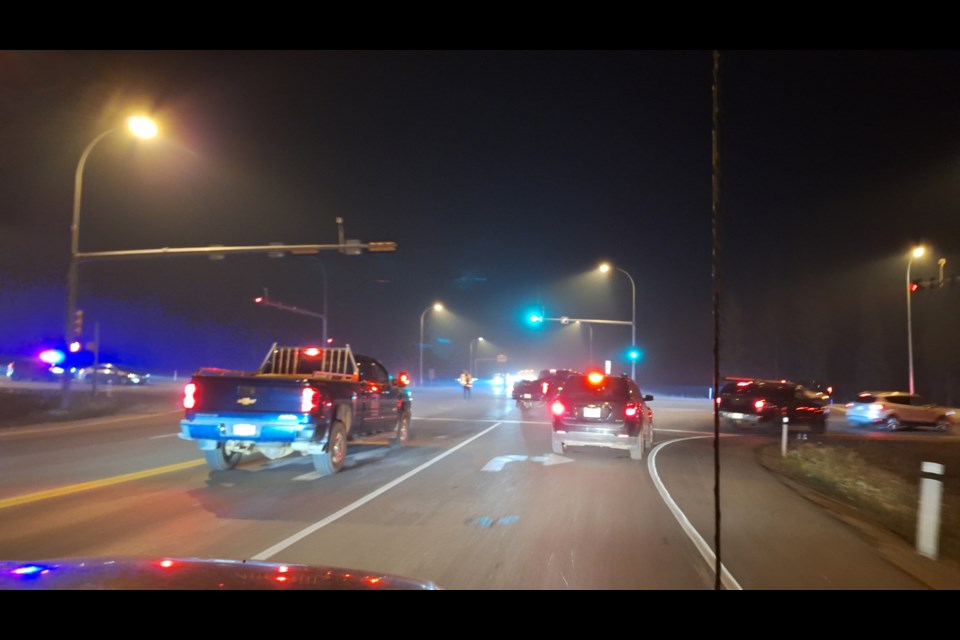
(534, 318)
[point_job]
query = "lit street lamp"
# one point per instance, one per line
(605, 267)
(141, 127)
(436, 307)
(472, 366)
(916, 253)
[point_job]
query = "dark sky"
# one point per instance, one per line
(504, 177)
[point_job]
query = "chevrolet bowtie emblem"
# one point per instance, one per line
(246, 401)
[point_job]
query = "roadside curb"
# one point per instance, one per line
(936, 574)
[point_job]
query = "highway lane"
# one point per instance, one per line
(591, 519)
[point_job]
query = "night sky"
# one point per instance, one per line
(504, 178)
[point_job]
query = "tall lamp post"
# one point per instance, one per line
(605, 267)
(436, 307)
(141, 127)
(472, 368)
(916, 253)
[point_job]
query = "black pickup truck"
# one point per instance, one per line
(310, 400)
(756, 402)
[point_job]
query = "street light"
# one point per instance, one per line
(604, 268)
(141, 127)
(916, 253)
(472, 366)
(436, 306)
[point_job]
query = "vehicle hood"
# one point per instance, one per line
(165, 573)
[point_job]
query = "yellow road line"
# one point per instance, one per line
(96, 484)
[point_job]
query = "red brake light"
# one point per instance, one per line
(543, 387)
(717, 399)
(759, 404)
(631, 409)
(595, 377)
(309, 400)
(742, 384)
(312, 352)
(190, 396)
(558, 408)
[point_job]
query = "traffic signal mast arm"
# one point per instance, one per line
(566, 320)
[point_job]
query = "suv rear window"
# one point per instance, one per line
(610, 387)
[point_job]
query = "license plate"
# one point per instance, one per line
(591, 412)
(527, 396)
(737, 416)
(244, 429)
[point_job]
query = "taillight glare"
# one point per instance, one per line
(190, 396)
(558, 408)
(309, 400)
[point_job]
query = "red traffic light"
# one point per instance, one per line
(914, 286)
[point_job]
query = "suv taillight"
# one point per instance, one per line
(558, 408)
(759, 404)
(309, 400)
(190, 396)
(631, 410)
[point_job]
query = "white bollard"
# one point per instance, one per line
(783, 437)
(928, 511)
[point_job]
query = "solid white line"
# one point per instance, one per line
(280, 546)
(703, 433)
(726, 578)
(166, 435)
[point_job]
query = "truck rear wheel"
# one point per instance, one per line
(331, 460)
(222, 458)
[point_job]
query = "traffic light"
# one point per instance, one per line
(78, 322)
(915, 285)
(533, 316)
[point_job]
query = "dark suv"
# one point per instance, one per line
(529, 393)
(747, 401)
(604, 411)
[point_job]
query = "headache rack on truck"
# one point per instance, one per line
(325, 363)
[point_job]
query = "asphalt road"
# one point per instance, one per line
(476, 501)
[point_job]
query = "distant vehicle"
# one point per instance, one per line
(28, 369)
(530, 393)
(898, 409)
(756, 402)
(824, 390)
(603, 411)
(109, 373)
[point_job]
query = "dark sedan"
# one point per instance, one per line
(112, 374)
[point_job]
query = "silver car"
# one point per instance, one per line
(898, 409)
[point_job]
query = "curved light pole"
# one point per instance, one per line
(605, 267)
(916, 253)
(436, 306)
(141, 127)
(472, 368)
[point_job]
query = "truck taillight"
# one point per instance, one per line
(631, 409)
(309, 400)
(558, 408)
(190, 396)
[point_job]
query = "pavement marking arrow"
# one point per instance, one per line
(498, 463)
